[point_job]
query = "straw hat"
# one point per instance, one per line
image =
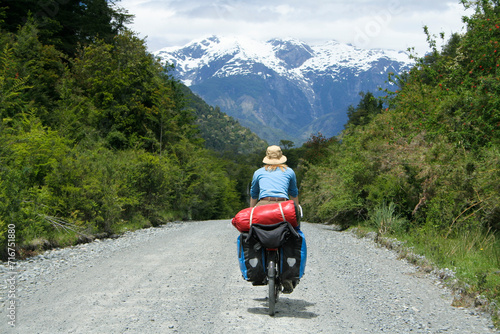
(274, 156)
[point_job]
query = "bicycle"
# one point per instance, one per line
(271, 254)
(272, 238)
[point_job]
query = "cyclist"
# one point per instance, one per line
(274, 182)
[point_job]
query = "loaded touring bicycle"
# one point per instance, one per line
(271, 247)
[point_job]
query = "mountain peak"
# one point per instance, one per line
(291, 51)
(283, 83)
(285, 56)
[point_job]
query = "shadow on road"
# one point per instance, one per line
(286, 307)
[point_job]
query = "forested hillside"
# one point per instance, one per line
(95, 135)
(423, 164)
(221, 132)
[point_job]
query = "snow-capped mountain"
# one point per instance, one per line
(283, 88)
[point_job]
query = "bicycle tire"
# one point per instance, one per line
(272, 286)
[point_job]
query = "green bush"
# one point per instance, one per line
(387, 220)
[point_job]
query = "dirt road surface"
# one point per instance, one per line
(184, 278)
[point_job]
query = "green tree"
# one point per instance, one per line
(134, 101)
(42, 65)
(367, 108)
(66, 24)
(286, 144)
(316, 148)
(11, 86)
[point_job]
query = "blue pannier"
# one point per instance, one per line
(293, 257)
(251, 256)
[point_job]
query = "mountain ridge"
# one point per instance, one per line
(282, 86)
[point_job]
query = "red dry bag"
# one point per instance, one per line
(267, 215)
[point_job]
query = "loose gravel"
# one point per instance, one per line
(184, 278)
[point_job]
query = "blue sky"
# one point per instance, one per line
(388, 24)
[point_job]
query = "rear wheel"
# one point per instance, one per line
(272, 286)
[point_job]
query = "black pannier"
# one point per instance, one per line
(251, 256)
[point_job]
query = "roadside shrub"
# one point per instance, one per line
(387, 220)
(335, 192)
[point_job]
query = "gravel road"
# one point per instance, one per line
(184, 278)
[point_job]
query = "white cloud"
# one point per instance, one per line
(394, 24)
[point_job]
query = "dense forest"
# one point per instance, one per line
(97, 138)
(423, 163)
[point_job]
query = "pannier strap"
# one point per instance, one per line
(251, 215)
(282, 213)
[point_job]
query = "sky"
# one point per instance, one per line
(386, 24)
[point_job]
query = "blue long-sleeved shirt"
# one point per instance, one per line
(275, 183)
